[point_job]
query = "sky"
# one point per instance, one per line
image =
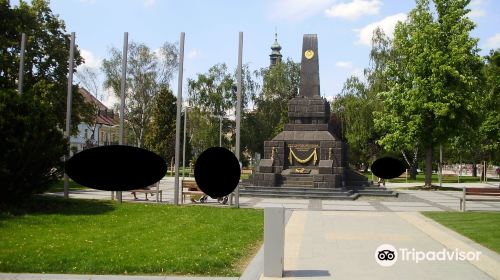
(344, 29)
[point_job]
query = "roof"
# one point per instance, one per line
(105, 115)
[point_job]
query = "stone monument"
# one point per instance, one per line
(306, 155)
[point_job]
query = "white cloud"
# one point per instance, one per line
(354, 9)
(476, 10)
(493, 42)
(88, 2)
(477, 13)
(149, 3)
(387, 24)
(344, 64)
(297, 10)
(91, 60)
(194, 53)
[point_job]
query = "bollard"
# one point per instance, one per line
(274, 241)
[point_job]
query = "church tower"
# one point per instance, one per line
(275, 55)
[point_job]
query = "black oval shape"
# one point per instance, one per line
(217, 172)
(388, 167)
(116, 168)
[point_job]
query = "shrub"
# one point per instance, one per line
(31, 146)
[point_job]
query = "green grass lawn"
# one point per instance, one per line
(482, 227)
(59, 186)
(53, 235)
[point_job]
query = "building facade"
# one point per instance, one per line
(104, 131)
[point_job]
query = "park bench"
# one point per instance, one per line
(478, 194)
(152, 190)
(189, 187)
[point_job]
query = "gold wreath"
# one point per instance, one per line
(313, 156)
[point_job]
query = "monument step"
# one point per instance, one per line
(302, 186)
(306, 196)
(358, 184)
(375, 191)
(297, 192)
(378, 193)
(306, 189)
(301, 179)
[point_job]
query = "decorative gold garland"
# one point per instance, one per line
(313, 156)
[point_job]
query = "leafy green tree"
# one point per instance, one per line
(433, 85)
(147, 73)
(490, 126)
(280, 83)
(160, 137)
(46, 57)
(31, 147)
(212, 95)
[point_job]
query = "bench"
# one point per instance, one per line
(156, 191)
(485, 194)
(189, 187)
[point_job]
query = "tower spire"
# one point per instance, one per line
(275, 55)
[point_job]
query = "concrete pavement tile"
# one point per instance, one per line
(406, 204)
(284, 200)
(285, 205)
(349, 207)
(345, 202)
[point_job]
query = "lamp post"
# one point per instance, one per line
(186, 108)
(220, 131)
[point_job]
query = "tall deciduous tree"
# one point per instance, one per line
(212, 96)
(490, 125)
(161, 133)
(433, 88)
(46, 57)
(280, 83)
(147, 72)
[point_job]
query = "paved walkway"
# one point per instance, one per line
(342, 245)
(408, 200)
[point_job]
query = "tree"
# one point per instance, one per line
(212, 96)
(280, 83)
(46, 57)
(360, 100)
(161, 133)
(147, 73)
(490, 125)
(31, 147)
(433, 85)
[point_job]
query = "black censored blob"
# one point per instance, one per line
(116, 168)
(388, 167)
(217, 172)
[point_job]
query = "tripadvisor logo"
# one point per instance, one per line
(386, 255)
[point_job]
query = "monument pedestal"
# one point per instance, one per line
(306, 156)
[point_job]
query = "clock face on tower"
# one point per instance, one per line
(309, 54)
